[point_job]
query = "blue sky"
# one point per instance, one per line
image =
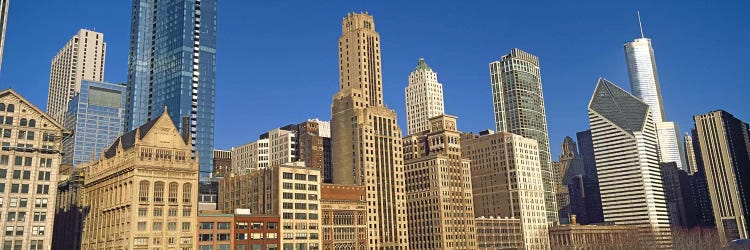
(277, 59)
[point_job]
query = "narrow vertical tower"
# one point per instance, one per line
(82, 58)
(366, 139)
(3, 21)
(172, 63)
(424, 98)
(519, 109)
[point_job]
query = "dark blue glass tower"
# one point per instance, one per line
(172, 63)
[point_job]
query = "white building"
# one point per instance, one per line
(670, 147)
(250, 156)
(627, 161)
(82, 58)
(324, 127)
(424, 98)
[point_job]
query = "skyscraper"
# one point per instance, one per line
(424, 98)
(94, 118)
(566, 168)
(627, 161)
(3, 22)
(82, 58)
(725, 148)
(172, 63)
(644, 84)
(439, 193)
(365, 137)
(692, 162)
(519, 109)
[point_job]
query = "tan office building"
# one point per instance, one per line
(366, 138)
(29, 165)
(343, 209)
(82, 58)
(142, 191)
(600, 237)
(507, 181)
(439, 200)
(499, 233)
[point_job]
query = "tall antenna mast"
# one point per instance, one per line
(640, 24)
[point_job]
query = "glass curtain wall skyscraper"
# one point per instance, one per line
(172, 63)
(519, 109)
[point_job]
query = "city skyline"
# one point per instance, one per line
(466, 87)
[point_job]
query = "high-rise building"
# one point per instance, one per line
(725, 148)
(704, 212)
(424, 98)
(692, 162)
(29, 165)
(250, 156)
(585, 200)
(627, 162)
(365, 136)
(82, 58)
(675, 180)
(141, 193)
(565, 169)
(3, 23)
(172, 62)
(290, 191)
(94, 117)
(586, 150)
(343, 209)
(439, 200)
(519, 109)
(506, 181)
(644, 84)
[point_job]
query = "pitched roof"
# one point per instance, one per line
(128, 139)
(618, 106)
(45, 115)
(422, 65)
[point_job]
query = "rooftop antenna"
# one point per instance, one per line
(640, 24)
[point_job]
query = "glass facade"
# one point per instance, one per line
(172, 63)
(94, 118)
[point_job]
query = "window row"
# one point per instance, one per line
(158, 192)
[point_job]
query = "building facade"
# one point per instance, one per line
(424, 98)
(519, 109)
(216, 231)
(725, 148)
(439, 200)
(222, 163)
(94, 117)
(675, 181)
(343, 209)
(568, 166)
(585, 200)
(627, 162)
(506, 181)
(3, 23)
(365, 136)
(600, 237)
(141, 192)
(499, 233)
(251, 156)
(82, 58)
(172, 62)
(240, 230)
(70, 212)
(29, 164)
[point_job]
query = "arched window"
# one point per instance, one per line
(32, 123)
(11, 108)
(159, 191)
(2, 106)
(24, 122)
(143, 191)
(173, 192)
(187, 192)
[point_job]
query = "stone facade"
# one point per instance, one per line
(499, 233)
(142, 191)
(343, 209)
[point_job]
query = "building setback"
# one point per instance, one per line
(519, 108)
(29, 164)
(439, 200)
(725, 149)
(141, 192)
(365, 136)
(172, 62)
(506, 182)
(82, 58)
(627, 162)
(94, 117)
(424, 98)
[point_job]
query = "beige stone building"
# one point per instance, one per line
(249, 157)
(366, 138)
(499, 233)
(142, 191)
(82, 58)
(290, 191)
(574, 236)
(343, 209)
(439, 200)
(507, 182)
(29, 164)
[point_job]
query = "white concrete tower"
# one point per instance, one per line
(424, 98)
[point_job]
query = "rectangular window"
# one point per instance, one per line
(156, 226)
(205, 237)
(312, 177)
(4, 160)
(186, 226)
(300, 177)
(158, 212)
(142, 212)
(206, 225)
(172, 226)
(223, 225)
(287, 176)
(141, 226)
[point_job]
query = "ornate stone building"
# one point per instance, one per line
(499, 233)
(439, 200)
(29, 164)
(343, 209)
(142, 191)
